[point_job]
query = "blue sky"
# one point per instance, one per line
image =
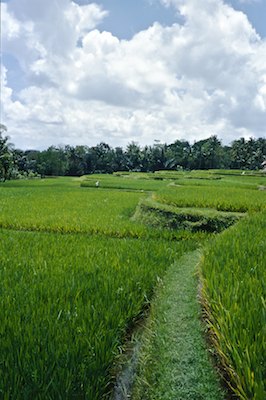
(126, 18)
(255, 11)
(121, 71)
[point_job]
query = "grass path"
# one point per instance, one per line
(174, 362)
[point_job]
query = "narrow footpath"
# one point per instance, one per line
(174, 362)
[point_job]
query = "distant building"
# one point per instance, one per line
(263, 164)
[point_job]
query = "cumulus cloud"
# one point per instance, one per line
(206, 76)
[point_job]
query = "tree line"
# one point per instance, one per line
(102, 158)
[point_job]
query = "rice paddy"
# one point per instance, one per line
(77, 268)
(234, 283)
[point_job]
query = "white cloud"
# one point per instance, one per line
(9, 25)
(204, 77)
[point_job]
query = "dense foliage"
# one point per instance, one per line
(102, 158)
(66, 302)
(70, 291)
(78, 265)
(6, 156)
(234, 285)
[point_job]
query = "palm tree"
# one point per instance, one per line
(6, 156)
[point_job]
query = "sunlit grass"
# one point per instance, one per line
(234, 285)
(66, 301)
(223, 198)
(43, 205)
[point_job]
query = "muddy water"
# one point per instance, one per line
(125, 379)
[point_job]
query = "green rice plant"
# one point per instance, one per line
(246, 182)
(229, 172)
(237, 172)
(233, 272)
(222, 198)
(65, 207)
(196, 174)
(219, 178)
(66, 302)
(123, 182)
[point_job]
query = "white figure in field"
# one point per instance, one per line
(97, 184)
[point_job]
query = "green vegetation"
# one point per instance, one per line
(222, 198)
(59, 205)
(6, 158)
(191, 219)
(66, 301)
(234, 275)
(174, 362)
(139, 182)
(80, 160)
(211, 174)
(79, 263)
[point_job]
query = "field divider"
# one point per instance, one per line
(193, 219)
(175, 361)
(162, 235)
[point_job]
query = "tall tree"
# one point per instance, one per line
(178, 154)
(104, 157)
(75, 158)
(159, 157)
(119, 160)
(239, 154)
(6, 155)
(134, 157)
(256, 150)
(206, 154)
(52, 161)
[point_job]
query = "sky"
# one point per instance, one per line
(116, 71)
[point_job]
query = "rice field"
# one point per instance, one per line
(77, 268)
(138, 182)
(66, 302)
(65, 207)
(234, 279)
(221, 198)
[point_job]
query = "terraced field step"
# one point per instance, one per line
(193, 219)
(165, 234)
